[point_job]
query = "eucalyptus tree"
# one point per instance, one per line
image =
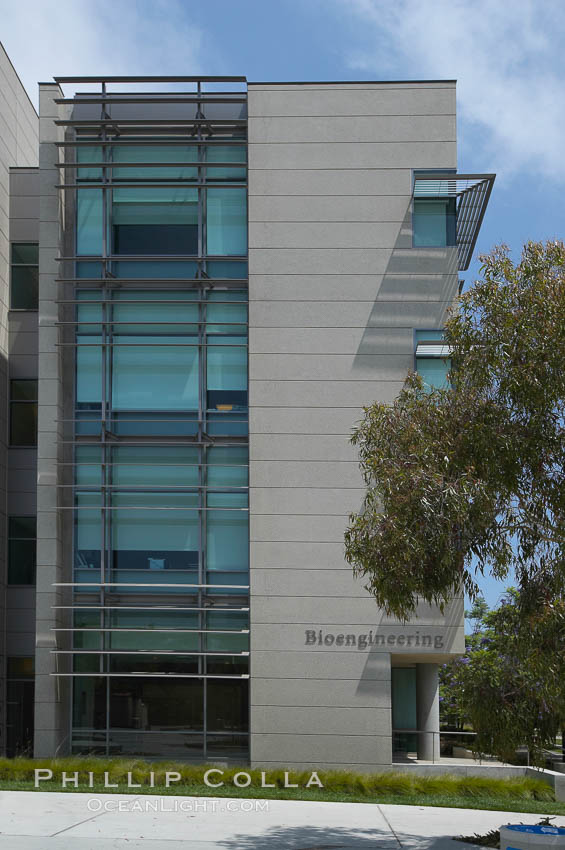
(469, 479)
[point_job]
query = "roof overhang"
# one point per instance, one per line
(472, 193)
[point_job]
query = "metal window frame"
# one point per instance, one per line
(13, 401)
(198, 132)
(9, 539)
(14, 265)
(471, 193)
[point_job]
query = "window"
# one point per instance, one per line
(24, 288)
(157, 360)
(434, 222)
(159, 531)
(226, 355)
(155, 220)
(89, 221)
(19, 706)
(432, 359)
(23, 412)
(160, 534)
(226, 217)
(175, 219)
(403, 699)
(21, 549)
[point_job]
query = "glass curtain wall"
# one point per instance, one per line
(160, 616)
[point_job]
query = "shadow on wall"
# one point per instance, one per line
(333, 838)
(416, 289)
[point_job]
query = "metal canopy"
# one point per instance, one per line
(472, 192)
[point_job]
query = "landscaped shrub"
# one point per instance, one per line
(369, 785)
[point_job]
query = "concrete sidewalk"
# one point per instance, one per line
(82, 821)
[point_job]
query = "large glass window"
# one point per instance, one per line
(21, 549)
(434, 222)
(131, 155)
(154, 535)
(157, 359)
(171, 512)
(161, 539)
(155, 220)
(24, 276)
(23, 412)
(162, 219)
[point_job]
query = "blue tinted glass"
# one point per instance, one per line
(226, 221)
(89, 370)
(89, 221)
(434, 371)
(154, 269)
(225, 153)
(86, 153)
(145, 312)
(227, 532)
(155, 466)
(155, 534)
(155, 205)
(427, 335)
(226, 269)
(227, 364)
(226, 313)
(89, 351)
(155, 373)
(434, 222)
(89, 270)
(88, 537)
(155, 220)
(228, 466)
(155, 153)
(88, 471)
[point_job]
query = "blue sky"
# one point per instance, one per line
(508, 59)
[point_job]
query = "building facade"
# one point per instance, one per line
(228, 272)
(19, 219)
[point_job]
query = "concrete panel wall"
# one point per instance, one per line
(52, 697)
(336, 290)
(23, 363)
(18, 147)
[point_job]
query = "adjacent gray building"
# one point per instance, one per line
(19, 216)
(228, 272)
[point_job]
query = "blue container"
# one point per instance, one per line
(524, 837)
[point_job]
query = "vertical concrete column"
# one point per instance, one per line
(427, 711)
(51, 694)
(18, 149)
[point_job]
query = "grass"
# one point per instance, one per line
(521, 794)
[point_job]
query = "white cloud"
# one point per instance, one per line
(508, 60)
(85, 38)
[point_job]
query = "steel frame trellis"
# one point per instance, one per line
(199, 132)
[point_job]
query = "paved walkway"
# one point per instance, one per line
(82, 821)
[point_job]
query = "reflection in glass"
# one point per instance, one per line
(226, 221)
(155, 220)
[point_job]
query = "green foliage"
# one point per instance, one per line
(510, 685)
(472, 477)
(371, 786)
